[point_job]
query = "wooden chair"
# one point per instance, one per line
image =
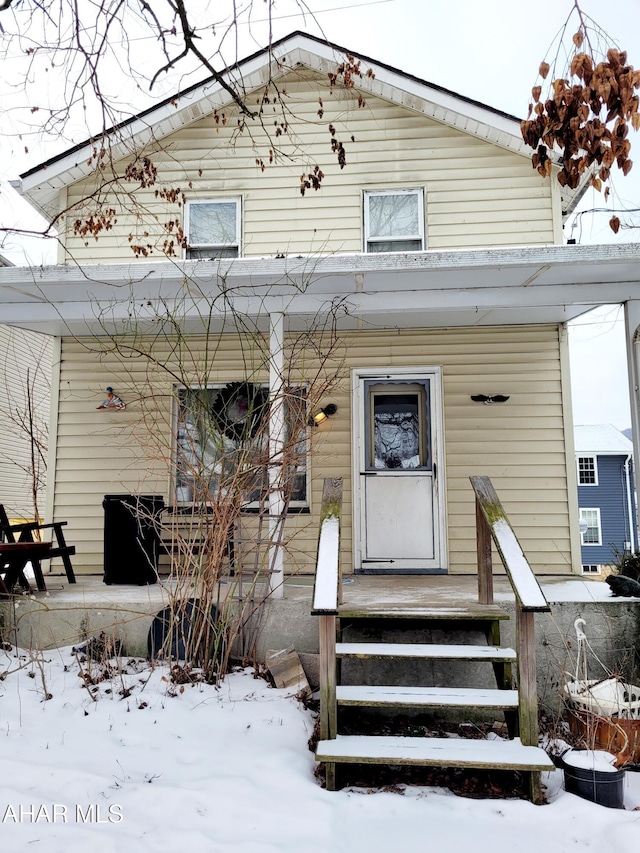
(25, 532)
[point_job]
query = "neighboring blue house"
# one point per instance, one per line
(608, 521)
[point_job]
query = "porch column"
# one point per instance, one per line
(276, 443)
(632, 329)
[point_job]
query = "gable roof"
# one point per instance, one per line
(42, 183)
(602, 440)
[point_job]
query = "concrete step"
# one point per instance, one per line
(376, 696)
(425, 651)
(433, 752)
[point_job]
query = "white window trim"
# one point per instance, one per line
(237, 200)
(595, 467)
(599, 526)
(591, 569)
(398, 191)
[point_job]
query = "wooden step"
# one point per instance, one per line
(433, 752)
(469, 611)
(375, 696)
(424, 651)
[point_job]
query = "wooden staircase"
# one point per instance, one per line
(519, 703)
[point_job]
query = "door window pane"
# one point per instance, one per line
(398, 430)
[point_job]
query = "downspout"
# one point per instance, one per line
(632, 329)
(627, 476)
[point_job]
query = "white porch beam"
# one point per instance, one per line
(276, 444)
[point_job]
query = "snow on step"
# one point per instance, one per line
(435, 752)
(464, 612)
(431, 697)
(424, 650)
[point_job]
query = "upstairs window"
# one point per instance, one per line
(213, 228)
(394, 221)
(587, 471)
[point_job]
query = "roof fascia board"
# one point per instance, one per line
(149, 127)
(420, 96)
(537, 257)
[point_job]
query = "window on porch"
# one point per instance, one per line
(592, 535)
(222, 445)
(587, 471)
(394, 221)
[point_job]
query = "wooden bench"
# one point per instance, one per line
(30, 532)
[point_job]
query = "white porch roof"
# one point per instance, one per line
(510, 286)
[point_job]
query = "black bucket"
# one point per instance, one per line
(606, 788)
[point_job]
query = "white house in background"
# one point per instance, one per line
(434, 258)
(606, 495)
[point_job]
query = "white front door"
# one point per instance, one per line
(397, 430)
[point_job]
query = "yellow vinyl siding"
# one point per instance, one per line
(519, 444)
(476, 193)
(21, 353)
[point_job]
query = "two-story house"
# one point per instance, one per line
(426, 273)
(606, 495)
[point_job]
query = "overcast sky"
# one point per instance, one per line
(489, 51)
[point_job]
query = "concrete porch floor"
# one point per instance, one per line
(69, 613)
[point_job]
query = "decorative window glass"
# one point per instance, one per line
(593, 533)
(222, 444)
(213, 228)
(394, 221)
(398, 426)
(587, 471)
(590, 569)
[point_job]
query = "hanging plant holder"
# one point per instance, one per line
(604, 713)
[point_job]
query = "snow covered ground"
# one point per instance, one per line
(153, 766)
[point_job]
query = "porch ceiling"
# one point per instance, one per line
(510, 286)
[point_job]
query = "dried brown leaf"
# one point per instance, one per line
(543, 70)
(536, 92)
(578, 38)
(614, 224)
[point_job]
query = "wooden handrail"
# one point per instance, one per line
(492, 523)
(327, 590)
(327, 595)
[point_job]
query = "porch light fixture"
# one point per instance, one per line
(321, 415)
(488, 399)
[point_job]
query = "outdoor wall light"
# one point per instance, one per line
(321, 415)
(488, 399)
